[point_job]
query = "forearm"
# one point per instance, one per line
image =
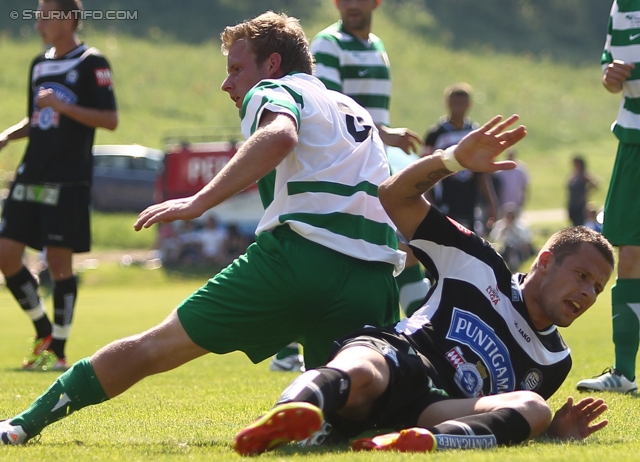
(402, 194)
(96, 118)
(258, 156)
(17, 131)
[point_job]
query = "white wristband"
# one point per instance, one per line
(450, 161)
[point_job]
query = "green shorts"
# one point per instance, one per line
(287, 288)
(622, 207)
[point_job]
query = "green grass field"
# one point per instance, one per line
(192, 413)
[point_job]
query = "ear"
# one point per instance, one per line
(273, 65)
(545, 260)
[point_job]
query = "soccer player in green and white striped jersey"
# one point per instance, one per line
(621, 226)
(352, 60)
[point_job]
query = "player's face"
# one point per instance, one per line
(51, 27)
(458, 105)
(571, 287)
(242, 72)
(356, 14)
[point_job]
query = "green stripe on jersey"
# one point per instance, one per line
(351, 226)
(327, 60)
(301, 187)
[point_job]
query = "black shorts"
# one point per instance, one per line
(41, 215)
(411, 390)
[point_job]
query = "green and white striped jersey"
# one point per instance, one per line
(355, 67)
(326, 189)
(623, 43)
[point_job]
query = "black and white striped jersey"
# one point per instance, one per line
(474, 327)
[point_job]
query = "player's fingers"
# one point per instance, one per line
(488, 126)
(598, 426)
(500, 127)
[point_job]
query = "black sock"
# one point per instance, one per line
(64, 299)
(324, 387)
(24, 288)
(483, 431)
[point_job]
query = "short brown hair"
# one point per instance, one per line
(67, 6)
(273, 33)
(568, 241)
(458, 89)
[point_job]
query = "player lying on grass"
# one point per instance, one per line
(473, 367)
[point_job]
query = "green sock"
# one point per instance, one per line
(413, 288)
(625, 298)
(76, 388)
(290, 350)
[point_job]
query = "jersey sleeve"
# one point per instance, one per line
(444, 247)
(327, 55)
(100, 84)
(272, 96)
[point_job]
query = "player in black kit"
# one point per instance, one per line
(473, 366)
(70, 95)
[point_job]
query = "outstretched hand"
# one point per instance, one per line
(165, 212)
(478, 150)
(574, 421)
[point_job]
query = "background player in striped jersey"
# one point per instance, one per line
(473, 366)
(71, 94)
(325, 253)
(622, 207)
(458, 195)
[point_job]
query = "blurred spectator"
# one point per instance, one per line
(579, 186)
(168, 245)
(212, 237)
(460, 194)
(234, 245)
(513, 184)
(187, 243)
(512, 237)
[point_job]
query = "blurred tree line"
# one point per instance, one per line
(560, 29)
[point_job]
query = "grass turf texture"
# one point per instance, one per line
(193, 412)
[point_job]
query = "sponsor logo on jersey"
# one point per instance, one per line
(494, 295)
(103, 76)
(45, 118)
(467, 376)
(633, 21)
(468, 329)
(71, 77)
(532, 381)
(525, 335)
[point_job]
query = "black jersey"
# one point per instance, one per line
(456, 195)
(474, 328)
(443, 134)
(59, 149)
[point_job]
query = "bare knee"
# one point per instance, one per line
(369, 375)
(534, 409)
